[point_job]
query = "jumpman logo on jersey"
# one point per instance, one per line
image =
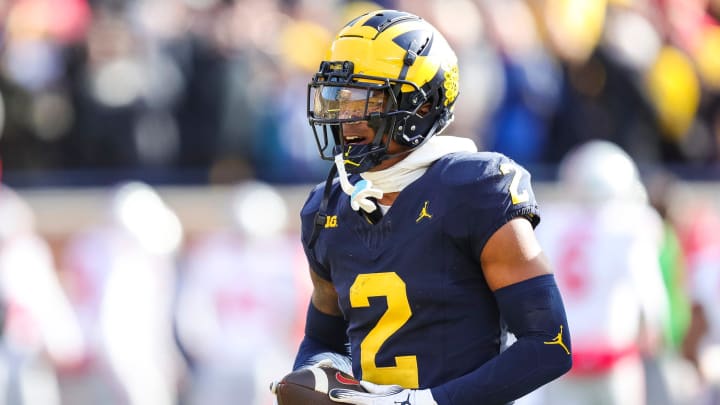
(424, 213)
(405, 402)
(558, 341)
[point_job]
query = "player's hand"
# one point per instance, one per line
(382, 395)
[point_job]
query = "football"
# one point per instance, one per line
(310, 386)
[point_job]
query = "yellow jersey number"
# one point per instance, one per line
(392, 287)
(517, 196)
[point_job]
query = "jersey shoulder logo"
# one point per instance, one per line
(424, 212)
(558, 341)
(518, 196)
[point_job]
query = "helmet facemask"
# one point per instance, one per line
(338, 98)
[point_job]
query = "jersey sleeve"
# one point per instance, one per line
(307, 218)
(516, 192)
(489, 190)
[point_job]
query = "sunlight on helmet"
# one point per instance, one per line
(600, 171)
(259, 210)
(137, 208)
(353, 9)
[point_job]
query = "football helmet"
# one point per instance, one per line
(599, 171)
(392, 70)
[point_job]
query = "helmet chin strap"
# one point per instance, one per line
(347, 187)
(362, 194)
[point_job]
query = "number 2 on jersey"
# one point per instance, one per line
(518, 196)
(392, 287)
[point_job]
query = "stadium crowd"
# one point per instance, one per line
(213, 90)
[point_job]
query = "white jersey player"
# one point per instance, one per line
(39, 329)
(604, 243)
(237, 287)
(121, 280)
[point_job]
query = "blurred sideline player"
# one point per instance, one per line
(702, 342)
(604, 241)
(682, 380)
(39, 330)
(424, 256)
(121, 280)
(237, 289)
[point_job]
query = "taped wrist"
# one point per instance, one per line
(323, 334)
(534, 312)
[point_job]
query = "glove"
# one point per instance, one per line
(360, 197)
(382, 395)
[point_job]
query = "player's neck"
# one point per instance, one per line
(388, 198)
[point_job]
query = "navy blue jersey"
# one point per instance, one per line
(411, 287)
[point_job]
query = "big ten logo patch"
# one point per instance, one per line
(331, 221)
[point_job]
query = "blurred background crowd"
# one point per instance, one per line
(155, 154)
(214, 90)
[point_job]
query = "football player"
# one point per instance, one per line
(422, 250)
(225, 316)
(40, 337)
(120, 275)
(603, 239)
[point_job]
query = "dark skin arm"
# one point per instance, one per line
(324, 296)
(513, 254)
(696, 330)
